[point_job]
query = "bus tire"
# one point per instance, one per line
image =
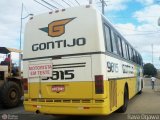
(140, 92)
(123, 108)
(10, 95)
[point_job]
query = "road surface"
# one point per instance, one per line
(146, 103)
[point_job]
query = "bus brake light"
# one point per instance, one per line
(25, 85)
(99, 85)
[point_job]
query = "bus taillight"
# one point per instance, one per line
(99, 85)
(25, 85)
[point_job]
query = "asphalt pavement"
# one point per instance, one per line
(146, 104)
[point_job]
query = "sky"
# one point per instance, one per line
(136, 20)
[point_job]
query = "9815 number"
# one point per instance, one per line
(62, 75)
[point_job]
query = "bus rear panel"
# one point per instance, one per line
(63, 63)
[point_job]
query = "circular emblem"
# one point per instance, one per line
(4, 116)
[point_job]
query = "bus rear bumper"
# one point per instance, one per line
(67, 109)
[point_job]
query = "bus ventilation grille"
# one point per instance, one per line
(65, 100)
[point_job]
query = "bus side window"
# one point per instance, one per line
(140, 60)
(107, 38)
(130, 53)
(124, 49)
(127, 52)
(114, 42)
(119, 46)
(134, 56)
(137, 58)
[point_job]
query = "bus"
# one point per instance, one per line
(76, 63)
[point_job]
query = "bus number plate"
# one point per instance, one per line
(58, 88)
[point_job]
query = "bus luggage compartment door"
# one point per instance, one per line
(71, 78)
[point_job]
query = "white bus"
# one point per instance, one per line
(77, 63)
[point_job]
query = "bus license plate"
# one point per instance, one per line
(58, 88)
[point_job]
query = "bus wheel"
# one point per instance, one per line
(140, 92)
(123, 108)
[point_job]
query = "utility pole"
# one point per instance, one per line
(20, 37)
(90, 1)
(103, 7)
(20, 41)
(152, 53)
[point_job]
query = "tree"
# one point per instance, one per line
(149, 69)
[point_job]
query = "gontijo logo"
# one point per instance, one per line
(57, 28)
